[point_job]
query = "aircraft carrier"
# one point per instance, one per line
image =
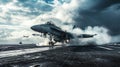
(107, 55)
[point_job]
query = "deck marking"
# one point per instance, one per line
(105, 48)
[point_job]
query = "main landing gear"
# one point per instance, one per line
(51, 43)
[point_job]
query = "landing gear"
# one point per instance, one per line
(51, 43)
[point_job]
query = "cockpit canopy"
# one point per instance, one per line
(50, 23)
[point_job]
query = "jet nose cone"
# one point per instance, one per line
(33, 27)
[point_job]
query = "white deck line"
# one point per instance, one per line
(105, 48)
(22, 51)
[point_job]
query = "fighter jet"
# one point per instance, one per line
(56, 34)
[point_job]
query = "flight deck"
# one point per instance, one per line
(67, 56)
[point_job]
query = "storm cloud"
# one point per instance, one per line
(104, 13)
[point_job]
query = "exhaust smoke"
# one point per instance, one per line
(102, 36)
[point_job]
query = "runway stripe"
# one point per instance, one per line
(22, 51)
(105, 48)
(115, 47)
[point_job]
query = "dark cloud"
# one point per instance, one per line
(107, 3)
(5, 1)
(34, 4)
(48, 1)
(105, 13)
(102, 4)
(22, 1)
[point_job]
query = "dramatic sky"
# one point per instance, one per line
(17, 16)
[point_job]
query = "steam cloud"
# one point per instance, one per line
(64, 14)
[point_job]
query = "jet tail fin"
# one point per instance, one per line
(74, 26)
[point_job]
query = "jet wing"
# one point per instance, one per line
(86, 36)
(63, 32)
(57, 30)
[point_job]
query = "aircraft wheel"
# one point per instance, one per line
(51, 43)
